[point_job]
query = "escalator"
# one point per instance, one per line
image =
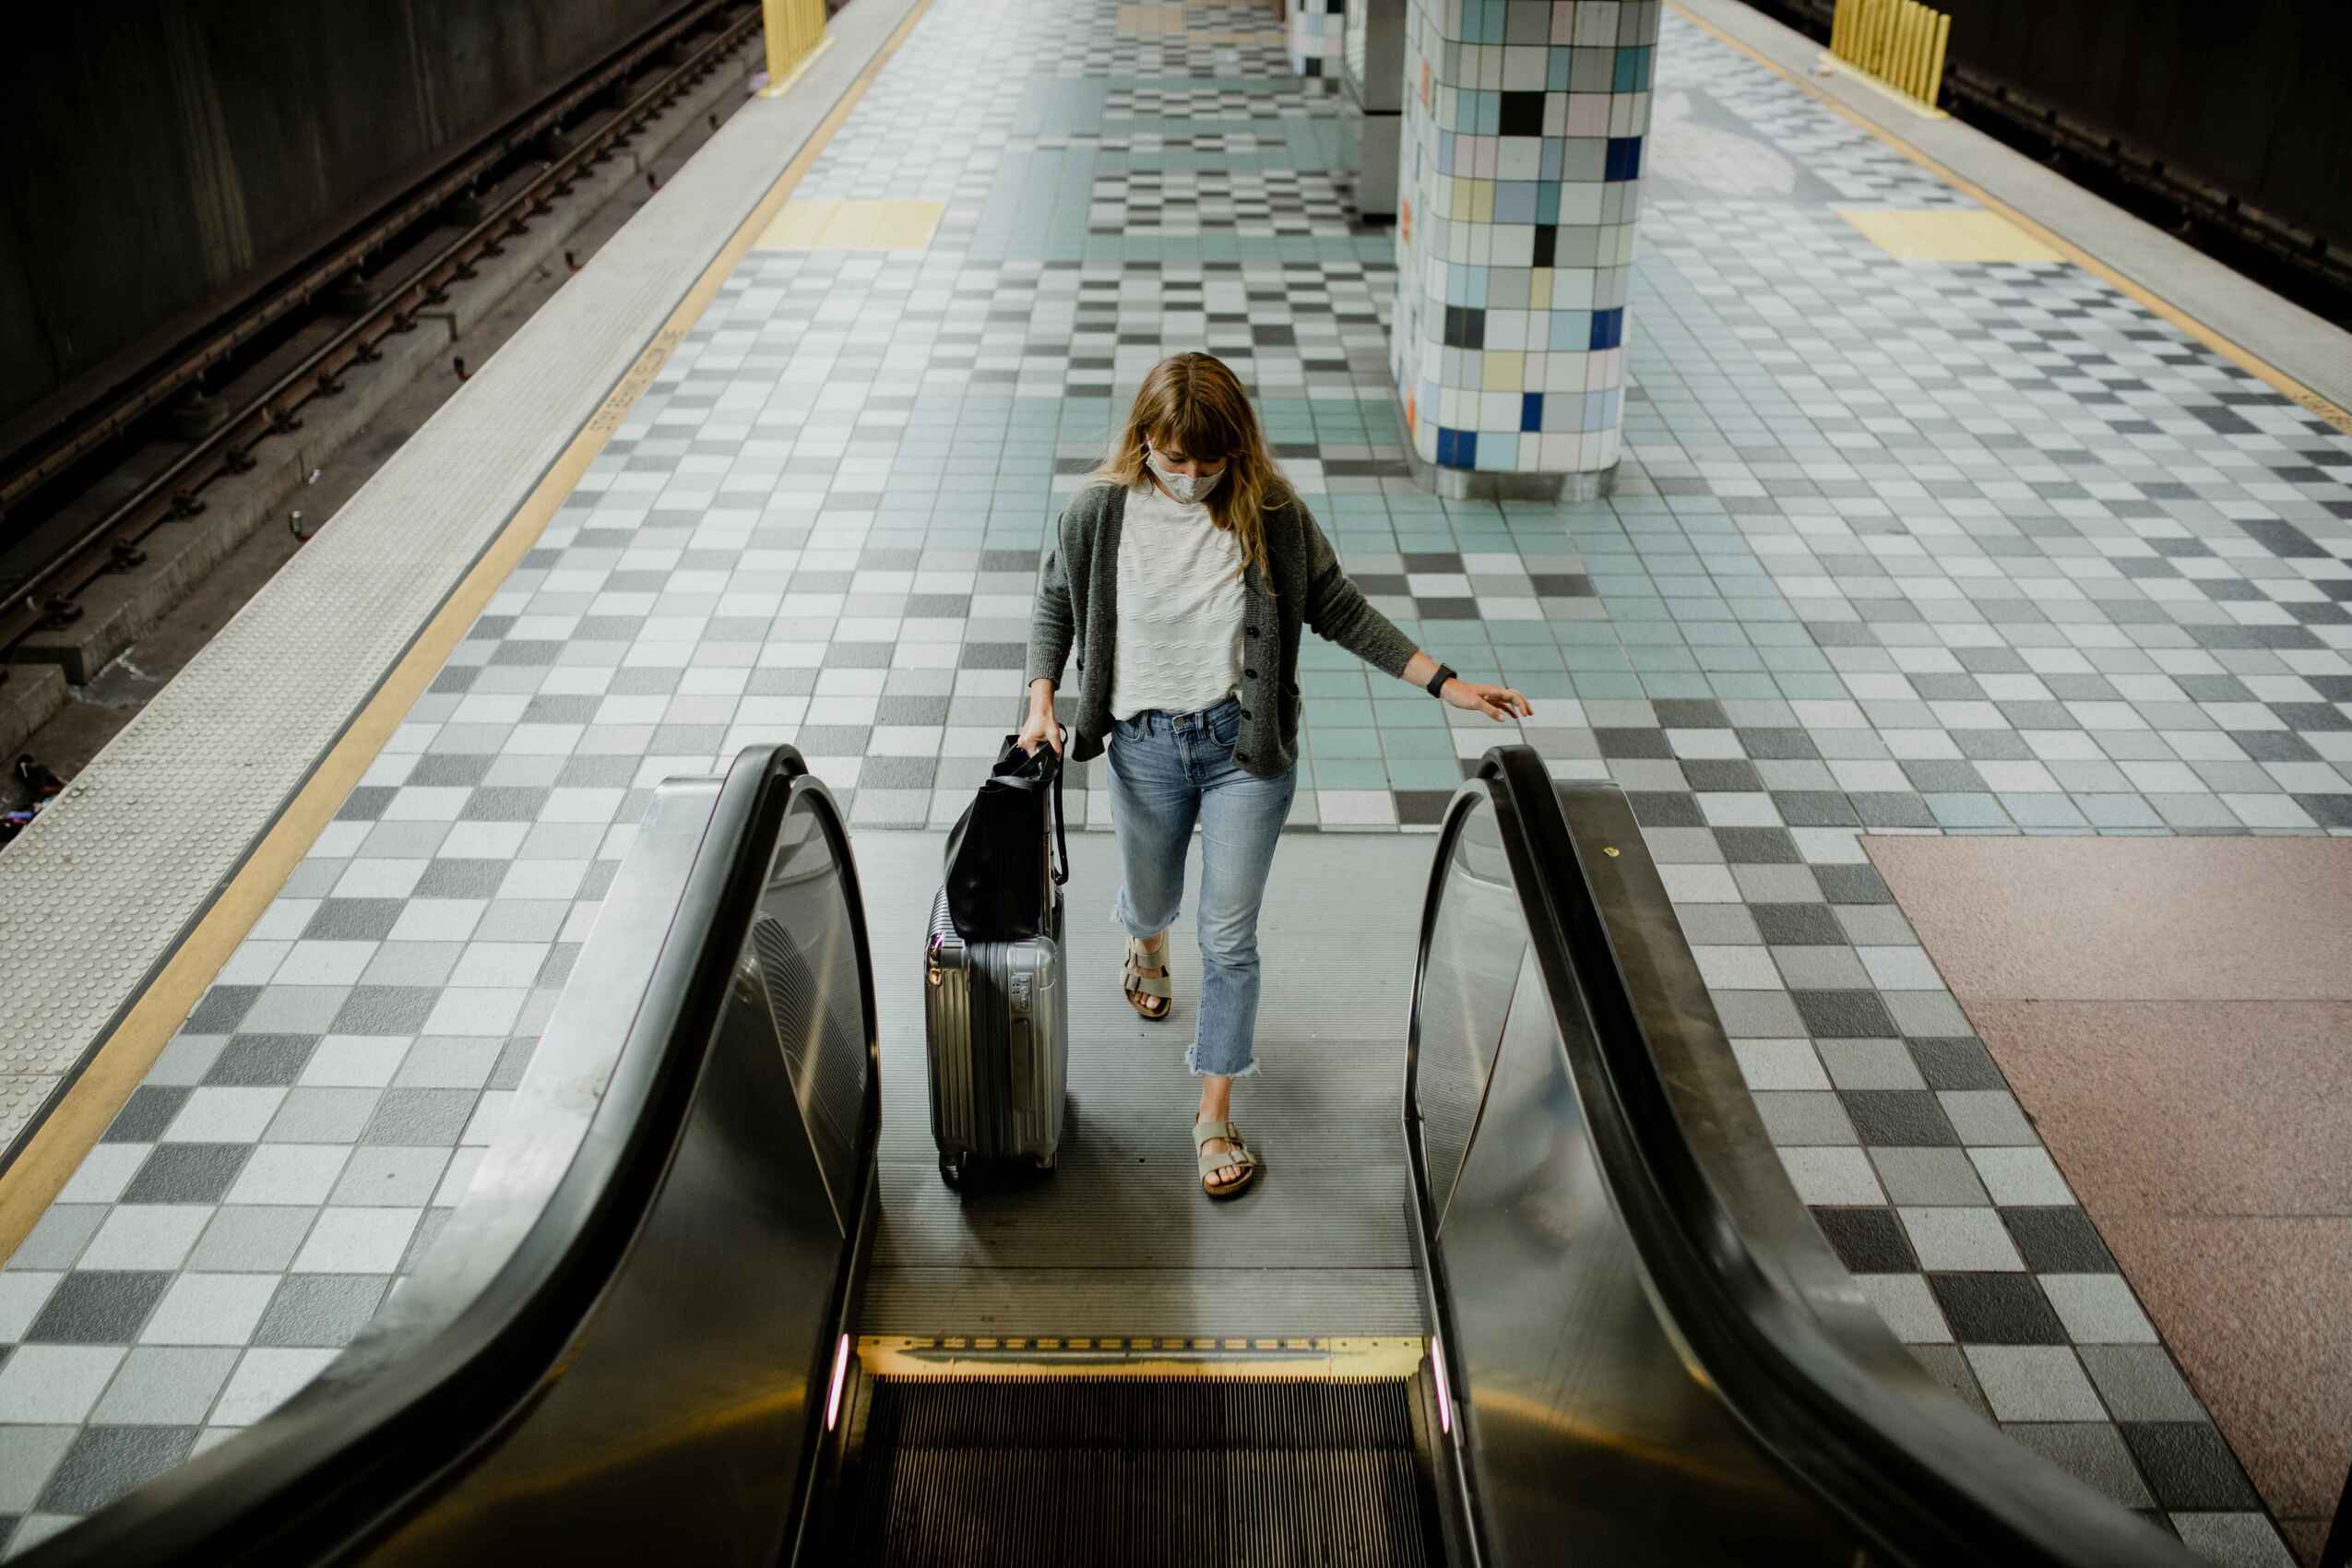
(645, 1336)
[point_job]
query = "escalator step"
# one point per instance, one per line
(1188, 1472)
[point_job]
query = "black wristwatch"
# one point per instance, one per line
(1437, 683)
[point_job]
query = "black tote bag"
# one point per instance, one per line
(1009, 851)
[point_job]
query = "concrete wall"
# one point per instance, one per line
(166, 154)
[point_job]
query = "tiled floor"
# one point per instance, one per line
(1897, 546)
(2203, 987)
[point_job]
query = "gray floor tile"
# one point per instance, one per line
(54, 1384)
(389, 1176)
(242, 1239)
(2098, 1308)
(106, 1461)
(1987, 1116)
(1960, 1239)
(1936, 1178)
(2242, 1539)
(28, 1454)
(322, 1115)
(2034, 1383)
(2187, 1466)
(165, 1385)
(209, 1309)
(57, 1240)
(320, 1309)
(97, 1306)
(1870, 1064)
(2140, 1383)
(419, 1118)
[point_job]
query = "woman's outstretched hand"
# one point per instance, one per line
(1040, 728)
(1498, 702)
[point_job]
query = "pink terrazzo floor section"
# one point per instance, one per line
(2176, 1015)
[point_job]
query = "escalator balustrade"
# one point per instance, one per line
(639, 1340)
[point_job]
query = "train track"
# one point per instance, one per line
(46, 596)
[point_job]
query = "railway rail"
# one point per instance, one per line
(698, 40)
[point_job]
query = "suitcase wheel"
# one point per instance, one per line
(951, 1170)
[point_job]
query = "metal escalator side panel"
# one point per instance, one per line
(1712, 1105)
(1580, 1418)
(1741, 1286)
(573, 1072)
(702, 1370)
(800, 962)
(1461, 995)
(631, 1145)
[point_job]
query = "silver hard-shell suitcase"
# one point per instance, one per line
(996, 1019)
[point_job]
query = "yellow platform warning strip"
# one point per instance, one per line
(833, 223)
(115, 1069)
(1946, 234)
(1107, 1356)
(2236, 353)
(1150, 22)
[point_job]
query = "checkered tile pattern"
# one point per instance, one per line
(1152, 101)
(1853, 166)
(1521, 160)
(1241, 42)
(1145, 203)
(1895, 548)
(1317, 31)
(1151, 143)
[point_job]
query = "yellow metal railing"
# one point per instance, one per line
(795, 28)
(1899, 42)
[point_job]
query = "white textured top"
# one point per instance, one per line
(1179, 608)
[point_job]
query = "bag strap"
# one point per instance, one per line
(1061, 829)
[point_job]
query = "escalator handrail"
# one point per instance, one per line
(1926, 1481)
(394, 1417)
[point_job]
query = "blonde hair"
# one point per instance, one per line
(1193, 404)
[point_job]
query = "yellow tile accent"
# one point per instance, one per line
(1169, 1356)
(797, 226)
(1503, 368)
(830, 223)
(1948, 235)
(1539, 288)
(1151, 21)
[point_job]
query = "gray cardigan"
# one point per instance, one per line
(1077, 604)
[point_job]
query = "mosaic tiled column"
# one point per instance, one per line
(1314, 35)
(1520, 182)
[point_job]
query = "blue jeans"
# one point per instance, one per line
(1167, 772)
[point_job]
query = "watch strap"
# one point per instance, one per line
(1436, 686)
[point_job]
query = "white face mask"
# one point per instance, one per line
(1188, 489)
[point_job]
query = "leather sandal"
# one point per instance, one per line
(1150, 990)
(1238, 1157)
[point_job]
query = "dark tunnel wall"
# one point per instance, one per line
(2251, 99)
(164, 156)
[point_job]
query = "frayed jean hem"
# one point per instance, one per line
(1193, 1065)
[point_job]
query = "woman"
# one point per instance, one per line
(1182, 576)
